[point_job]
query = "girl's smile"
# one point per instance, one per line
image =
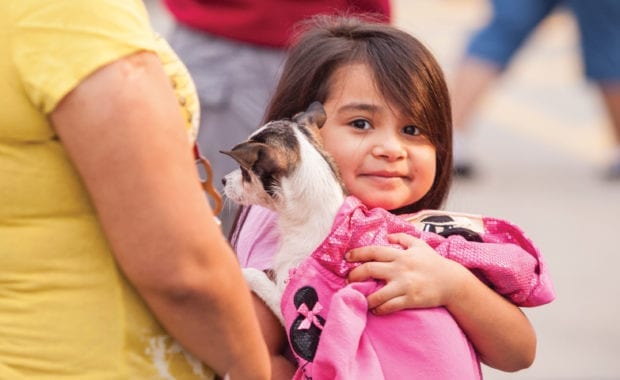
(383, 179)
(385, 160)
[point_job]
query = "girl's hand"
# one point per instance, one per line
(415, 278)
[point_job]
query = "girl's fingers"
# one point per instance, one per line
(384, 295)
(392, 305)
(405, 240)
(383, 253)
(372, 253)
(369, 270)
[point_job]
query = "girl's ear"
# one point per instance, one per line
(315, 114)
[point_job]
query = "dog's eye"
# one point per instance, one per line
(245, 175)
(361, 124)
(411, 130)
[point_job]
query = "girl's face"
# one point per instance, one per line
(383, 159)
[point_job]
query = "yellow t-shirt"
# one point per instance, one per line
(66, 311)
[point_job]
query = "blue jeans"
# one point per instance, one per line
(513, 21)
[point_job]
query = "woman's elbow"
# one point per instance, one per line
(189, 280)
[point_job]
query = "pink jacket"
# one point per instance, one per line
(331, 332)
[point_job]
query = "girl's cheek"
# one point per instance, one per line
(348, 180)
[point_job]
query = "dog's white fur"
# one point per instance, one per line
(306, 201)
(310, 199)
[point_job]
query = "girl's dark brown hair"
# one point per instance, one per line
(405, 72)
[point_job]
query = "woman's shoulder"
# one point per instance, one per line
(183, 85)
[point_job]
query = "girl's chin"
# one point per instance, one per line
(374, 203)
(388, 202)
(387, 198)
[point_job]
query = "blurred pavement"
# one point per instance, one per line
(541, 137)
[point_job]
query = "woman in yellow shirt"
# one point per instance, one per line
(110, 258)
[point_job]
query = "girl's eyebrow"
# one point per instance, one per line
(359, 106)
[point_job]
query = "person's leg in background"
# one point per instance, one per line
(234, 81)
(489, 52)
(599, 26)
(611, 96)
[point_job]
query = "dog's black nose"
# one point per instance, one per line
(224, 181)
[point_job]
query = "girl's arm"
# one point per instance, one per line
(420, 278)
(124, 132)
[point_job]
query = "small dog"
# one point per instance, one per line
(283, 167)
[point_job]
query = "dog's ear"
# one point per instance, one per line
(315, 114)
(246, 154)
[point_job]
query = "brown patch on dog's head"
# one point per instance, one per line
(314, 116)
(269, 154)
(309, 123)
(272, 153)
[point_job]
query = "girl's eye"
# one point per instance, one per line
(412, 130)
(360, 124)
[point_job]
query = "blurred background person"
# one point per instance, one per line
(234, 50)
(493, 46)
(110, 255)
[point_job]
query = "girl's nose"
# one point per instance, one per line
(389, 147)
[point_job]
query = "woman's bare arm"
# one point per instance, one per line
(123, 130)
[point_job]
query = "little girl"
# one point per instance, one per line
(388, 129)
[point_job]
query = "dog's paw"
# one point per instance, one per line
(265, 289)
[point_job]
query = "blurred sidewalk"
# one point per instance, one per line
(540, 138)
